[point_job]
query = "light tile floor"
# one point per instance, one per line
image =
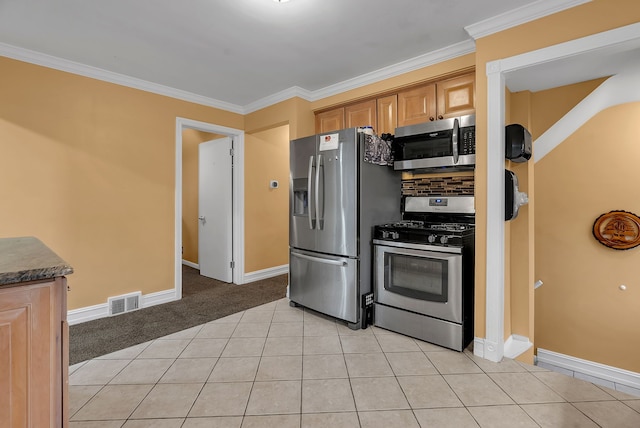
(276, 366)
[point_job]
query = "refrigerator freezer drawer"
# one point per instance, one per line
(324, 283)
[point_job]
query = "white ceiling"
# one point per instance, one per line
(239, 52)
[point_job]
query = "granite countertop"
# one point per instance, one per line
(28, 259)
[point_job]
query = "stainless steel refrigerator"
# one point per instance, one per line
(335, 200)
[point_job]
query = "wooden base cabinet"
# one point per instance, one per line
(34, 354)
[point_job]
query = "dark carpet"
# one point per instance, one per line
(203, 300)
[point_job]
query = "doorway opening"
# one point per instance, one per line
(569, 58)
(237, 191)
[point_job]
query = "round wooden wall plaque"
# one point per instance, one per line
(619, 230)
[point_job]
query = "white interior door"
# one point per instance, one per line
(215, 243)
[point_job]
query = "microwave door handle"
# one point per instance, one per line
(312, 220)
(319, 194)
(455, 141)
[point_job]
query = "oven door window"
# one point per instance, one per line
(417, 277)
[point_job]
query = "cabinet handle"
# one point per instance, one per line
(440, 117)
(431, 118)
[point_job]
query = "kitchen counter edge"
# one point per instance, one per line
(26, 258)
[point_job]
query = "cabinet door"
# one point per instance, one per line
(457, 96)
(417, 105)
(330, 120)
(29, 356)
(361, 114)
(387, 115)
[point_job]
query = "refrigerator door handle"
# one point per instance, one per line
(312, 220)
(320, 260)
(319, 194)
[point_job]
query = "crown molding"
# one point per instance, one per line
(519, 16)
(61, 64)
(56, 63)
(431, 58)
(294, 91)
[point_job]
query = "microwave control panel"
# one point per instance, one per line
(468, 140)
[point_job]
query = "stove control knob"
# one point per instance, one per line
(431, 238)
(394, 235)
(385, 234)
(444, 239)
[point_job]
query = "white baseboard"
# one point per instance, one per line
(513, 346)
(600, 374)
(190, 264)
(478, 347)
(80, 315)
(516, 345)
(265, 273)
(89, 313)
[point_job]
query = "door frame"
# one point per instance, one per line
(492, 346)
(237, 192)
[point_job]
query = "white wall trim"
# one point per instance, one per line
(619, 89)
(495, 263)
(190, 264)
(519, 16)
(412, 64)
(294, 91)
(516, 345)
(258, 275)
(56, 63)
(416, 63)
(89, 313)
(478, 347)
(589, 368)
(497, 71)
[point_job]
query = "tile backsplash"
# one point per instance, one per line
(437, 186)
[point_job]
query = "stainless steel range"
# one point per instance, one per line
(424, 271)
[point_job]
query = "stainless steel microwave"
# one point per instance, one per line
(442, 144)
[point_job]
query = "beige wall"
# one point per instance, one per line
(89, 168)
(191, 138)
(580, 311)
(267, 234)
(580, 21)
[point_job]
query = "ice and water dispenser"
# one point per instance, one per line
(300, 197)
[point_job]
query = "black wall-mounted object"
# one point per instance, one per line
(513, 197)
(517, 143)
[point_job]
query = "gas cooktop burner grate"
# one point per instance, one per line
(449, 226)
(416, 224)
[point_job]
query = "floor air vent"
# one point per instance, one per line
(125, 303)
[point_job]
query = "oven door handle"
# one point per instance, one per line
(320, 260)
(455, 149)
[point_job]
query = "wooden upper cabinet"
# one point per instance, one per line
(387, 115)
(456, 96)
(417, 105)
(451, 97)
(440, 100)
(330, 120)
(361, 114)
